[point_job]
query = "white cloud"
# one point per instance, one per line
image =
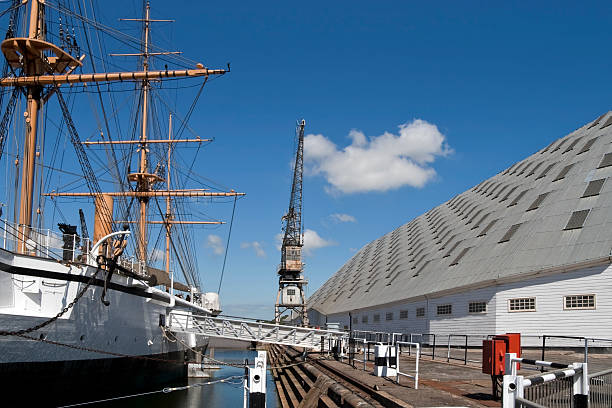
(342, 218)
(215, 243)
(278, 238)
(377, 163)
(157, 255)
(257, 247)
(312, 242)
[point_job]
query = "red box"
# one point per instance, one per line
(513, 345)
(493, 353)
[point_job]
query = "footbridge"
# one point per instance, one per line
(244, 330)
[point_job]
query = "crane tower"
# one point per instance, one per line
(291, 280)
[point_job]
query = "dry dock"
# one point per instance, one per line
(321, 381)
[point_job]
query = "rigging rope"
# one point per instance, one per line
(166, 390)
(227, 246)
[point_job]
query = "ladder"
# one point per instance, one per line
(244, 330)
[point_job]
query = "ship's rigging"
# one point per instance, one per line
(43, 72)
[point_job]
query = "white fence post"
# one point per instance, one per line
(509, 391)
(581, 386)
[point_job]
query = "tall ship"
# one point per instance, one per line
(87, 143)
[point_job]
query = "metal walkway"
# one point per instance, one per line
(251, 331)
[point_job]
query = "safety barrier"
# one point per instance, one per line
(566, 387)
(600, 389)
(398, 352)
(366, 351)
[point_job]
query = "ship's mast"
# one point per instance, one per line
(32, 68)
(143, 182)
(168, 207)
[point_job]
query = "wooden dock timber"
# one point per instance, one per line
(321, 381)
(300, 384)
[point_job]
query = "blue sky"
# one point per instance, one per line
(487, 84)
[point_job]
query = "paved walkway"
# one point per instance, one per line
(450, 384)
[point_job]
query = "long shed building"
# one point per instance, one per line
(528, 250)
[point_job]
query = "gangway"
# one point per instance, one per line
(244, 330)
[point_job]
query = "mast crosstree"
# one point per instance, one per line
(291, 282)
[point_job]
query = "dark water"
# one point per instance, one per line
(213, 395)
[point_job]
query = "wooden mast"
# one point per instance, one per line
(143, 180)
(168, 209)
(31, 67)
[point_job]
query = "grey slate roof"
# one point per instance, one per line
(528, 218)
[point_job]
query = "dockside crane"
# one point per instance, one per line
(291, 282)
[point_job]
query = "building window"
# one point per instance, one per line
(403, 314)
(376, 317)
(355, 320)
(389, 316)
(290, 292)
(364, 319)
(522, 305)
(420, 312)
(444, 309)
(579, 302)
(477, 307)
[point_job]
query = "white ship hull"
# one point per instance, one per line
(122, 343)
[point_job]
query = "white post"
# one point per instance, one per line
(4, 236)
(257, 382)
(48, 243)
(171, 283)
(581, 386)
(244, 394)
(509, 391)
(448, 349)
(73, 245)
(397, 362)
(364, 355)
(510, 366)
(416, 375)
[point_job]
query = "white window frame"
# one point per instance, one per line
(580, 308)
(535, 305)
(486, 306)
(424, 312)
(445, 305)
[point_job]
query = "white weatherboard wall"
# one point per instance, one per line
(550, 317)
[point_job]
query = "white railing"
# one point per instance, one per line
(365, 349)
(398, 351)
(43, 242)
(244, 330)
(515, 386)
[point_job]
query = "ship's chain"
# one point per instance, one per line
(93, 350)
(69, 306)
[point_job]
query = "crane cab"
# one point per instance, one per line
(291, 295)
